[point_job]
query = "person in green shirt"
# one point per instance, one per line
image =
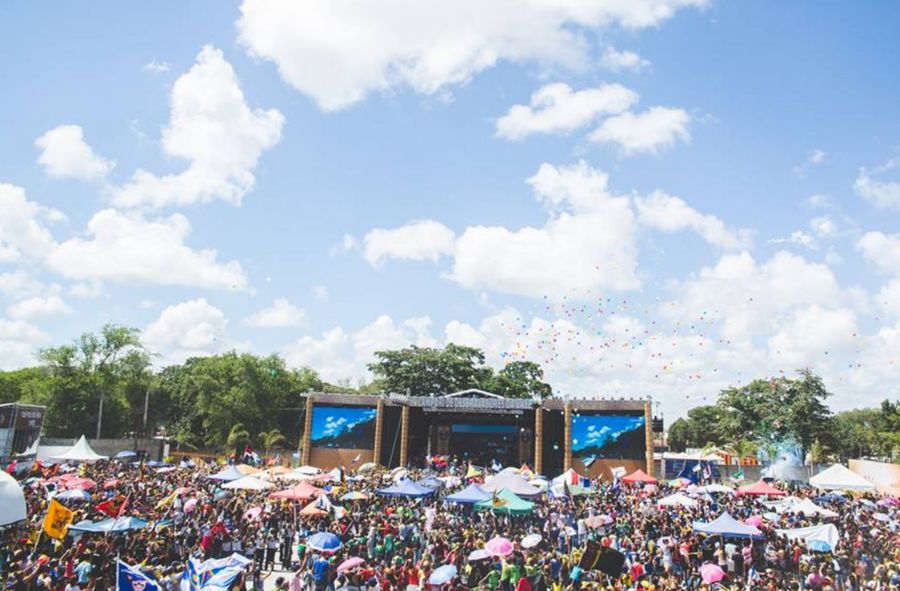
(493, 578)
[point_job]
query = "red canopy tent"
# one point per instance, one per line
(301, 492)
(639, 476)
(760, 488)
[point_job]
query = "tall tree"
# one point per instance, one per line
(424, 371)
(520, 379)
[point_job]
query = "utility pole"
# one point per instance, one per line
(146, 407)
(100, 415)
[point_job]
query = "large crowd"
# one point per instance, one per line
(400, 542)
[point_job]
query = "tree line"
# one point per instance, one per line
(229, 400)
(763, 414)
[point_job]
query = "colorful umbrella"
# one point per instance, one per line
(531, 540)
(350, 563)
(754, 520)
(324, 542)
(499, 546)
(711, 573)
(479, 555)
(442, 575)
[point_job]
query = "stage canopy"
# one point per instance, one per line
(727, 526)
(838, 477)
(12, 500)
(505, 502)
(468, 496)
(80, 452)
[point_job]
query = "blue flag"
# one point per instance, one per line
(129, 578)
(212, 575)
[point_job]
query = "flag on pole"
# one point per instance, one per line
(212, 574)
(58, 520)
(112, 507)
(129, 578)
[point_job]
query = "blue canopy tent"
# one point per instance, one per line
(404, 488)
(111, 525)
(727, 526)
(468, 496)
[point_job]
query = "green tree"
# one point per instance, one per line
(741, 448)
(238, 439)
(702, 426)
(271, 439)
(520, 379)
(803, 414)
(424, 371)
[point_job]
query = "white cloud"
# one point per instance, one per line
(417, 241)
(819, 201)
(65, 154)
(339, 355)
(815, 158)
(588, 242)
(338, 52)
(18, 342)
(556, 108)
(812, 332)
(671, 214)
(655, 129)
(798, 237)
(130, 249)
(23, 231)
(320, 292)
(212, 127)
(616, 60)
(38, 308)
(882, 250)
(823, 226)
(882, 194)
(348, 243)
(280, 314)
(188, 329)
(20, 284)
(155, 67)
(87, 289)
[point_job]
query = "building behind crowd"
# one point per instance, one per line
(591, 436)
(20, 430)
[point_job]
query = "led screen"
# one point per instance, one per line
(597, 436)
(350, 427)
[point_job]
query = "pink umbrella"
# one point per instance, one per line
(252, 513)
(499, 546)
(190, 505)
(754, 520)
(710, 573)
(350, 563)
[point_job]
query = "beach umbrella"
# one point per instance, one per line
(324, 542)
(499, 546)
(125, 454)
(479, 555)
(307, 470)
(350, 563)
(248, 483)
(302, 492)
(531, 540)
(442, 575)
(711, 573)
(367, 467)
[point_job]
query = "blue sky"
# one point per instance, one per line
(656, 198)
(596, 430)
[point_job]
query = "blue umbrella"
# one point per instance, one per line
(443, 574)
(324, 542)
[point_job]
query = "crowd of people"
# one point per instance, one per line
(400, 542)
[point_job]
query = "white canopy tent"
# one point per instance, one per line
(677, 500)
(817, 537)
(228, 474)
(248, 483)
(80, 452)
(839, 477)
(12, 500)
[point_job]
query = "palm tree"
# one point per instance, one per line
(741, 448)
(270, 439)
(815, 453)
(238, 439)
